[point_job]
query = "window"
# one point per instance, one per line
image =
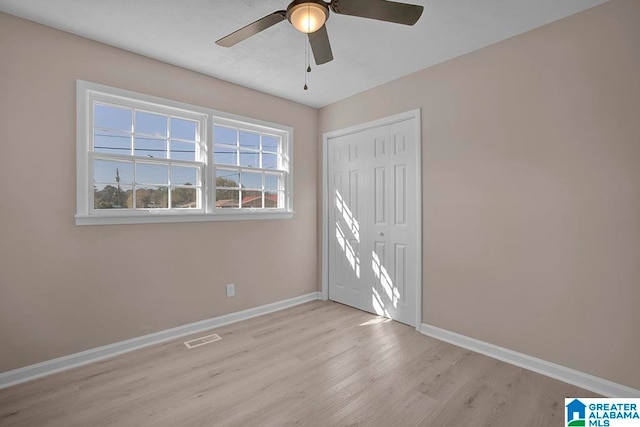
(146, 159)
(250, 167)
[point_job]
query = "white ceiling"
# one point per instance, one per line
(366, 53)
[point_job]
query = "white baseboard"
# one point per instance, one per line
(49, 367)
(589, 382)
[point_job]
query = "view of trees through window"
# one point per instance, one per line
(116, 196)
(228, 196)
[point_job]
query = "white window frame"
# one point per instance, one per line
(88, 93)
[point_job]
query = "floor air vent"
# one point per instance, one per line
(197, 342)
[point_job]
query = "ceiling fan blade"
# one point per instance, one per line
(382, 10)
(252, 29)
(319, 41)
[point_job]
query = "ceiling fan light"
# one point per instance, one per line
(307, 17)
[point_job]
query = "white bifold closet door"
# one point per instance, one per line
(372, 220)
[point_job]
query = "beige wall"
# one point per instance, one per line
(64, 288)
(531, 175)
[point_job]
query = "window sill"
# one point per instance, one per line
(159, 218)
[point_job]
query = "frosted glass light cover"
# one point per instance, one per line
(308, 17)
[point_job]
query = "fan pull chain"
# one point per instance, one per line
(307, 38)
(306, 50)
(305, 73)
(306, 58)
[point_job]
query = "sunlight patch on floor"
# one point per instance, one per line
(376, 321)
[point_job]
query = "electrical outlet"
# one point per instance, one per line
(231, 290)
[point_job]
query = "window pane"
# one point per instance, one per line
(150, 147)
(225, 156)
(250, 140)
(250, 159)
(224, 135)
(184, 198)
(272, 182)
(147, 173)
(227, 178)
(110, 197)
(151, 124)
(105, 141)
(106, 116)
(183, 150)
(112, 171)
(252, 199)
(182, 175)
(152, 197)
(270, 143)
(252, 180)
(271, 199)
(269, 161)
(183, 129)
(227, 198)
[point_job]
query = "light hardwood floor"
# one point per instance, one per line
(317, 364)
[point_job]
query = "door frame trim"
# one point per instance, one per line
(415, 116)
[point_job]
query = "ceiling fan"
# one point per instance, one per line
(309, 17)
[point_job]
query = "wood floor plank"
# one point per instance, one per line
(316, 364)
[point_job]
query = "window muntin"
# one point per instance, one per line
(146, 159)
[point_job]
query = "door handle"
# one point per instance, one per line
(381, 233)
